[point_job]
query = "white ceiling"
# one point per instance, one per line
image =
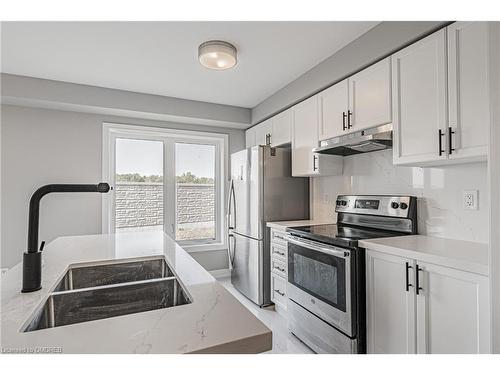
(161, 57)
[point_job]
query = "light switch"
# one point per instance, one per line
(470, 199)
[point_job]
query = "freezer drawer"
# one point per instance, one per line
(247, 274)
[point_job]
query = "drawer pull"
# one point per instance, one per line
(279, 292)
(279, 269)
(279, 237)
(279, 253)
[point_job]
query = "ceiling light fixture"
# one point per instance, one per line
(218, 55)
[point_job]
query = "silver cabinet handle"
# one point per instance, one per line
(279, 269)
(279, 292)
(279, 253)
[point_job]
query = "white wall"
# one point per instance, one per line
(439, 192)
(41, 146)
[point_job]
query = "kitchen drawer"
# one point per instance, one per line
(277, 236)
(279, 252)
(279, 267)
(278, 291)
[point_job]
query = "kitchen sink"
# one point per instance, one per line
(94, 292)
(88, 276)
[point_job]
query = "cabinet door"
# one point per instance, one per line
(250, 138)
(370, 97)
(282, 128)
(419, 101)
(468, 88)
(452, 311)
(262, 132)
(334, 102)
(305, 137)
(390, 308)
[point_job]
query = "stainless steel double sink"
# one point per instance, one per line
(104, 290)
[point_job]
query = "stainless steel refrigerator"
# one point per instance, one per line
(262, 189)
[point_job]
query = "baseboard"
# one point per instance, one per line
(224, 272)
(281, 310)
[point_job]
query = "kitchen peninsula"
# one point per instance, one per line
(213, 322)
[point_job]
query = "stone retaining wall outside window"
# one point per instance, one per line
(140, 204)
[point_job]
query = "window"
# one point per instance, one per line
(195, 189)
(165, 179)
(138, 186)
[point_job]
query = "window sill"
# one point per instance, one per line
(190, 248)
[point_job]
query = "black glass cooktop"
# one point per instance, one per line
(341, 235)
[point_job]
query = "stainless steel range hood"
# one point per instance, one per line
(368, 140)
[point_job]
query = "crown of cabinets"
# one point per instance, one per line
(435, 92)
(359, 102)
(440, 95)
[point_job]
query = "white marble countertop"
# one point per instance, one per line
(282, 225)
(215, 321)
(462, 255)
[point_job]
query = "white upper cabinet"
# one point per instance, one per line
(359, 102)
(334, 103)
(468, 89)
(370, 97)
(305, 138)
(250, 137)
(419, 101)
(263, 132)
(440, 91)
(282, 128)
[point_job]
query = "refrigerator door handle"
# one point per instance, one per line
(229, 253)
(231, 216)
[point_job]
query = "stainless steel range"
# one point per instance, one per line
(326, 270)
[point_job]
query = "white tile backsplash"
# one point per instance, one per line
(439, 191)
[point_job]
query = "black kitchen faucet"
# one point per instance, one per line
(32, 259)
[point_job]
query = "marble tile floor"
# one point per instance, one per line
(283, 341)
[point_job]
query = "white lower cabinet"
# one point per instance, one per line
(452, 311)
(390, 309)
(449, 314)
(278, 291)
(279, 269)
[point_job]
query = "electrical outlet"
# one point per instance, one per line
(470, 199)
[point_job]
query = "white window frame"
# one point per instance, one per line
(112, 131)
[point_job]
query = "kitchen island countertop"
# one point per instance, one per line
(215, 321)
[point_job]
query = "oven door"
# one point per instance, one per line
(319, 279)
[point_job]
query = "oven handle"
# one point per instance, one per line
(314, 246)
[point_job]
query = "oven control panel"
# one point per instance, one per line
(378, 205)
